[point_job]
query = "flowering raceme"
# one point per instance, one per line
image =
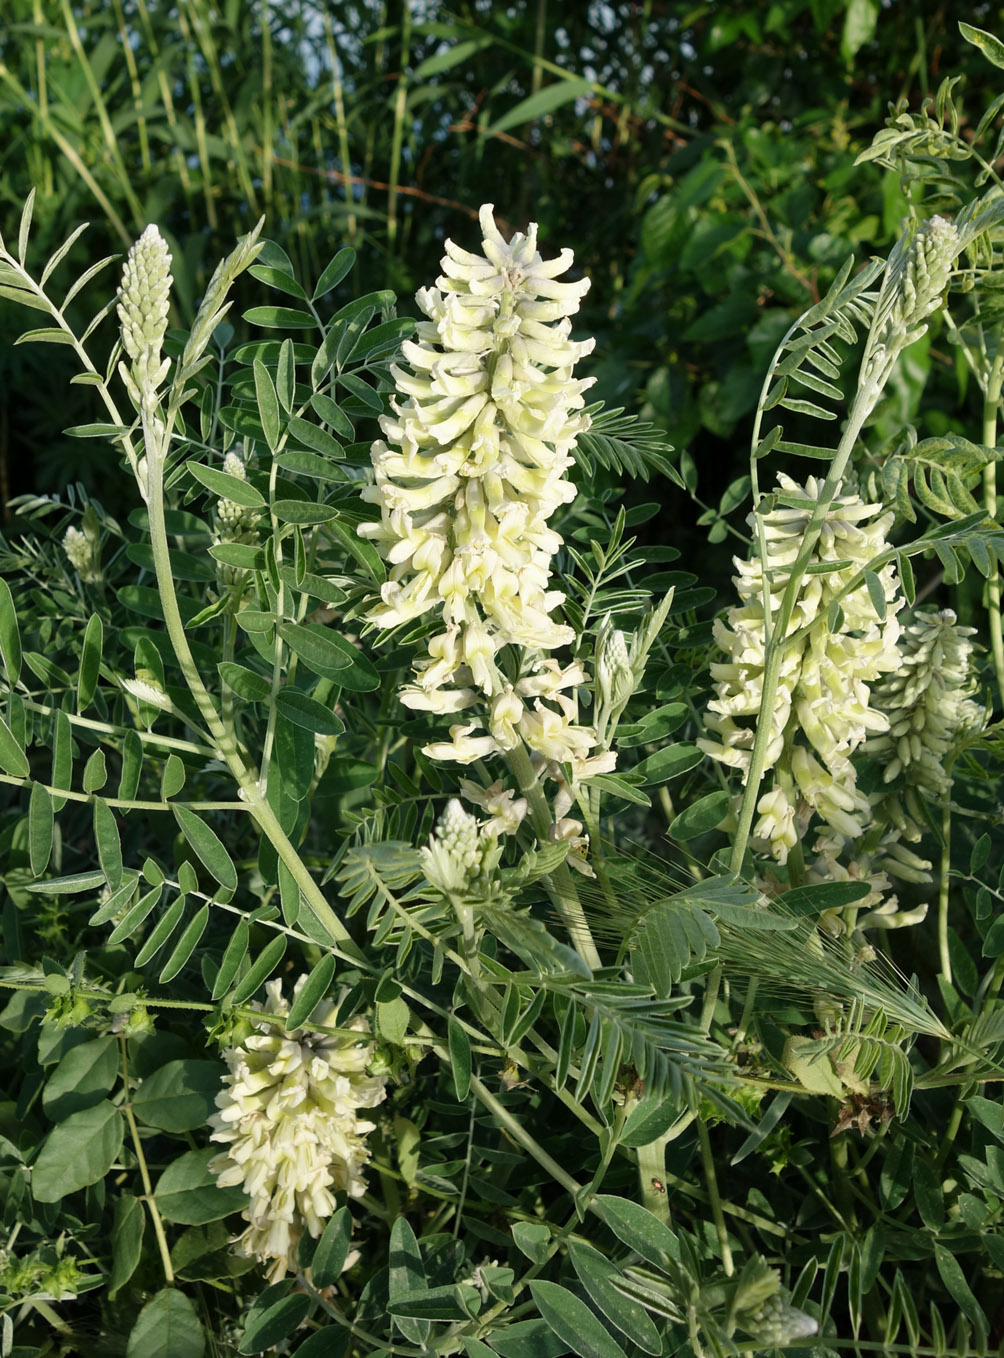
(288, 1119)
(471, 468)
(929, 705)
(823, 687)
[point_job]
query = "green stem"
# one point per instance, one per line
(516, 1130)
(777, 627)
(150, 737)
(250, 791)
(991, 405)
(943, 881)
(124, 803)
(562, 887)
(144, 1173)
(711, 1179)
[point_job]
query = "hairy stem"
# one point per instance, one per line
(562, 887)
(991, 405)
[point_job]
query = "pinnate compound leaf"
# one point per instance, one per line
(597, 1274)
(90, 661)
(332, 1249)
(325, 653)
(955, 1280)
(13, 759)
(40, 828)
(10, 636)
(127, 1241)
(312, 992)
(161, 931)
(79, 1152)
(109, 845)
(81, 1079)
(573, 1322)
(167, 1327)
(638, 1228)
(252, 687)
(226, 486)
(207, 846)
(268, 404)
(460, 1059)
(272, 1320)
(533, 1238)
(701, 816)
(179, 1096)
(261, 969)
(308, 713)
(186, 1192)
(233, 956)
(406, 1276)
(186, 945)
(991, 47)
(334, 272)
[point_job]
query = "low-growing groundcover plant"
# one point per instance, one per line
(426, 928)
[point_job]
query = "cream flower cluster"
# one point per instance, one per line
(82, 552)
(288, 1117)
(234, 523)
(929, 706)
(143, 301)
(823, 691)
(471, 468)
(460, 856)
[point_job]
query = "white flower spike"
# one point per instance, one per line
(288, 1120)
(470, 470)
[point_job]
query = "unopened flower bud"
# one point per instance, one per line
(614, 676)
(144, 300)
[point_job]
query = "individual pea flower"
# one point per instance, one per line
(569, 831)
(929, 708)
(777, 823)
(505, 810)
(469, 472)
(288, 1119)
(143, 301)
(822, 713)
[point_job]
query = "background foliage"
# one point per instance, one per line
(704, 152)
(701, 160)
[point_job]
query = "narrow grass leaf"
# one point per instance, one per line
(545, 101)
